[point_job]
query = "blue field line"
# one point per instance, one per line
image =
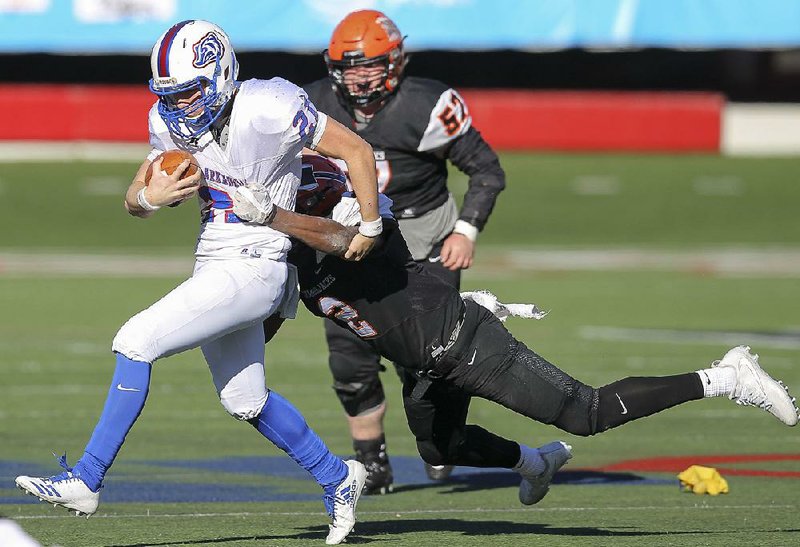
(192, 484)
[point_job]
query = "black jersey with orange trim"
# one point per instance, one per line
(410, 136)
(387, 299)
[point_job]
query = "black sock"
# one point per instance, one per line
(635, 397)
(371, 449)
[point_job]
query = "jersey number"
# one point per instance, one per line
(337, 309)
(216, 200)
(301, 121)
(452, 117)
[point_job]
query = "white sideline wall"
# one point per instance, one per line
(761, 129)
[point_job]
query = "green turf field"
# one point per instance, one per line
(676, 313)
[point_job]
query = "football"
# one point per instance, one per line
(170, 160)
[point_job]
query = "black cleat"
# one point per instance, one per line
(438, 472)
(379, 471)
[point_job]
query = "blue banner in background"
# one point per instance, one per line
(132, 26)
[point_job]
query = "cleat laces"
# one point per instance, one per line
(66, 475)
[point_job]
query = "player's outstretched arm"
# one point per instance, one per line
(322, 234)
(339, 142)
(253, 204)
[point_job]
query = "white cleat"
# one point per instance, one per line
(754, 387)
(533, 489)
(64, 490)
(343, 505)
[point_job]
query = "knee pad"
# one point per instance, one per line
(357, 398)
(135, 340)
(579, 414)
(356, 381)
(243, 408)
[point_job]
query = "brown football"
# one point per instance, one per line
(171, 159)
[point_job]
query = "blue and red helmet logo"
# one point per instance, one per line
(207, 50)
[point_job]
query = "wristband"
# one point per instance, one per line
(143, 203)
(466, 229)
(371, 228)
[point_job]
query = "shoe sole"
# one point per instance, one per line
(55, 504)
(382, 491)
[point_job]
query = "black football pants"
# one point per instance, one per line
(488, 362)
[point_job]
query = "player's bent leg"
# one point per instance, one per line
(369, 444)
(432, 264)
(342, 482)
(437, 421)
(494, 365)
(355, 367)
(220, 297)
(78, 488)
(236, 362)
(525, 382)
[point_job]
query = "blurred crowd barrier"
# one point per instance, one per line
(508, 119)
(576, 121)
(118, 26)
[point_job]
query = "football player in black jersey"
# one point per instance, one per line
(414, 126)
(451, 349)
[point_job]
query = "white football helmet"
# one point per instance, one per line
(193, 55)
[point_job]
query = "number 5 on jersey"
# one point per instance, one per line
(336, 309)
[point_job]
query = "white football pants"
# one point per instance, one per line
(221, 309)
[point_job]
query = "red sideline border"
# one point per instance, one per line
(676, 464)
(508, 119)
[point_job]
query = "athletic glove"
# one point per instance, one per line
(252, 204)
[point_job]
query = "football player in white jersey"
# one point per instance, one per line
(247, 138)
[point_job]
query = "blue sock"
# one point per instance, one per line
(282, 423)
(124, 403)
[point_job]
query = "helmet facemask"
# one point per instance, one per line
(195, 118)
(369, 89)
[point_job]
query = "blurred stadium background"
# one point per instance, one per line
(652, 152)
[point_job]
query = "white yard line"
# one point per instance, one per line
(43, 151)
(777, 340)
(491, 261)
(717, 261)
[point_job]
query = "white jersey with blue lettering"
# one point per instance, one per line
(270, 123)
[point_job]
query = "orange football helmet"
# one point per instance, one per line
(366, 38)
